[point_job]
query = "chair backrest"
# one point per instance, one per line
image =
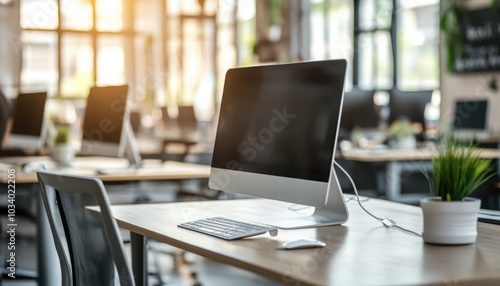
(187, 118)
(89, 245)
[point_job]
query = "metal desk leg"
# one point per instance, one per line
(393, 180)
(139, 259)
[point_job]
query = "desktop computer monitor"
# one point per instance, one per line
(28, 125)
(106, 129)
(359, 111)
(410, 105)
(470, 116)
(276, 137)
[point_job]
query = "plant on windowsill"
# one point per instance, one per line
(450, 217)
(401, 135)
(62, 150)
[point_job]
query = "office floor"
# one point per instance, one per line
(174, 271)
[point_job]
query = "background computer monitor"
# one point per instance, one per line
(358, 110)
(471, 116)
(103, 129)
(410, 105)
(28, 125)
(277, 133)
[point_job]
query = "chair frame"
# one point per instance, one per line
(49, 183)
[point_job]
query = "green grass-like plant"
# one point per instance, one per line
(62, 136)
(458, 170)
(401, 128)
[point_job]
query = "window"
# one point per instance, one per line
(327, 40)
(78, 52)
(388, 43)
(373, 44)
(39, 62)
(168, 51)
(177, 52)
(418, 45)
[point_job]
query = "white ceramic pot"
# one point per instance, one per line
(63, 154)
(450, 222)
(406, 143)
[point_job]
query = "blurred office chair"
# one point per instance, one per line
(180, 130)
(89, 244)
(187, 121)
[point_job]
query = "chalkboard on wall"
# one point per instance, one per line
(481, 33)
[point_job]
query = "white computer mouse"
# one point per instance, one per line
(302, 243)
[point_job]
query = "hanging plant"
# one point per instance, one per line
(449, 24)
(274, 8)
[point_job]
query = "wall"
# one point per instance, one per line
(10, 48)
(472, 85)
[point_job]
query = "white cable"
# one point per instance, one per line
(387, 222)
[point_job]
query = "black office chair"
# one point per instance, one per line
(89, 246)
(187, 126)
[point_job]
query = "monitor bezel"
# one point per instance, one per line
(271, 186)
(102, 148)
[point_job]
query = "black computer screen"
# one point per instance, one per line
(29, 112)
(410, 105)
(104, 114)
(280, 120)
(359, 111)
(470, 114)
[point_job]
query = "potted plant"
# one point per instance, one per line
(401, 135)
(62, 150)
(450, 217)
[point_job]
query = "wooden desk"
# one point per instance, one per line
(398, 161)
(88, 166)
(360, 252)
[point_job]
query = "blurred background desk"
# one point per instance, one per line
(88, 166)
(107, 169)
(398, 161)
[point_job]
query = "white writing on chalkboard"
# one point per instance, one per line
(481, 34)
(494, 60)
(477, 63)
(483, 50)
(477, 33)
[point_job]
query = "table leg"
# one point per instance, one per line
(393, 180)
(139, 259)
